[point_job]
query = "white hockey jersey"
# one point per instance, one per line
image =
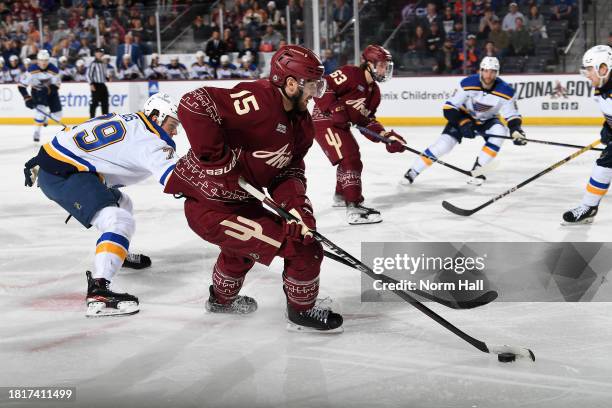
(483, 104)
(122, 149)
(603, 97)
(39, 78)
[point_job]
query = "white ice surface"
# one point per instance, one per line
(390, 355)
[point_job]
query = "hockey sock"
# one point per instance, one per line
(440, 147)
(348, 180)
(117, 226)
(301, 274)
(489, 150)
(228, 276)
(597, 186)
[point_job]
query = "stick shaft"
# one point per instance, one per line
(551, 143)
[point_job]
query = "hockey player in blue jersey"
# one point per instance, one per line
(81, 170)
(474, 111)
(44, 80)
(597, 67)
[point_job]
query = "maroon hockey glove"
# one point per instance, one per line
(375, 127)
(397, 144)
(301, 208)
(339, 116)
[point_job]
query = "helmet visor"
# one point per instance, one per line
(315, 88)
(383, 71)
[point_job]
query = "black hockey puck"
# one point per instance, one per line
(506, 357)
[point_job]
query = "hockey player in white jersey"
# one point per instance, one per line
(43, 78)
(473, 111)
(597, 67)
(80, 72)
(201, 69)
(81, 170)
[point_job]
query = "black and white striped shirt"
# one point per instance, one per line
(96, 73)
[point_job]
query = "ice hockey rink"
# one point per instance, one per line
(173, 354)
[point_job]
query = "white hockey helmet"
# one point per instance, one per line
(63, 59)
(163, 104)
(13, 58)
(80, 63)
(596, 57)
(200, 54)
(27, 62)
(225, 59)
(106, 57)
(490, 63)
(43, 55)
(1, 61)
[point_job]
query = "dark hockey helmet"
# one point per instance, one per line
(382, 61)
(300, 63)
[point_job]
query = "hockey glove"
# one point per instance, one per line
(339, 116)
(605, 134)
(376, 127)
(518, 137)
(30, 171)
(467, 129)
(301, 208)
(29, 103)
(397, 144)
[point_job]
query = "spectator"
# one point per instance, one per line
(296, 14)
(490, 50)
(230, 44)
(4, 74)
(215, 48)
(471, 55)
(342, 13)
(200, 69)
(274, 16)
(431, 16)
(133, 50)
(29, 48)
(448, 19)
(535, 24)
(63, 49)
(270, 40)
(418, 43)
(226, 69)
(330, 62)
(478, 10)
(509, 23)
(249, 48)
(456, 35)
(486, 23)
(149, 32)
(521, 41)
(247, 69)
(85, 50)
(90, 19)
(459, 8)
(128, 70)
(500, 38)
(155, 70)
(434, 40)
(563, 9)
(176, 70)
(61, 32)
(201, 31)
(252, 22)
(448, 61)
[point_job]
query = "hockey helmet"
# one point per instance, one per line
(595, 57)
(376, 54)
(490, 63)
(301, 64)
(63, 59)
(80, 63)
(199, 54)
(43, 55)
(162, 105)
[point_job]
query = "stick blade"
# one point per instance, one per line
(456, 210)
(482, 300)
(520, 352)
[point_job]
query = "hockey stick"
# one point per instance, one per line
(466, 213)
(547, 142)
(481, 300)
(59, 122)
(474, 173)
(480, 345)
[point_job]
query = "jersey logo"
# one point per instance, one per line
(279, 159)
(169, 152)
(359, 106)
(481, 107)
(281, 128)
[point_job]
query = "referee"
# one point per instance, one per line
(97, 76)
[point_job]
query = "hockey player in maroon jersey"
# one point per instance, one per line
(261, 131)
(352, 97)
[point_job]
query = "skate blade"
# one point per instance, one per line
(583, 222)
(404, 182)
(99, 309)
(294, 328)
(475, 182)
(369, 220)
(338, 205)
(226, 310)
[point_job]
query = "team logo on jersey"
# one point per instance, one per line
(359, 106)
(281, 128)
(279, 159)
(481, 107)
(169, 152)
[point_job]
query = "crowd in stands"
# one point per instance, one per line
(495, 28)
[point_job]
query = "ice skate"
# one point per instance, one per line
(357, 214)
(101, 301)
(240, 305)
(408, 178)
(338, 201)
(583, 214)
(319, 318)
(136, 261)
